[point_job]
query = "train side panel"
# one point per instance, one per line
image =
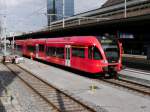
(84, 53)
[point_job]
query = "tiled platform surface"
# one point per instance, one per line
(111, 98)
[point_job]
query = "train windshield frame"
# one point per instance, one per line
(110, 46)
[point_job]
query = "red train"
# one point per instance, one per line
(92, 54)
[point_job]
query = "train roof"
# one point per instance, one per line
(64, 39)
(73, 39)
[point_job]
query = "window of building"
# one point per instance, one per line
(55, 52)
(78, 52)
(41, 47)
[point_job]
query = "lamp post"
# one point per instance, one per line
(63, 13)
(50, 20)
(125, 8)
(4, 35)
(13, 42)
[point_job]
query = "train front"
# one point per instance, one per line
(112, 49)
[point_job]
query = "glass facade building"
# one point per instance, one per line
(55, 9)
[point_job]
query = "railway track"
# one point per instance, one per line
(134, 70)
(57, 99)
(143, 89)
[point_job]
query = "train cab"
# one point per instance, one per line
(112, 53)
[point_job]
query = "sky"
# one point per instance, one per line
(23, 15)
(29, 15)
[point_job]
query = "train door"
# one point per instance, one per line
(67, 60)
(37, 50)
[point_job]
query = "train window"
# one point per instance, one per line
(55, 52)
(50, 51)
(96, 54)
(31, 48)
(41, 47)
(60, 52)
(47, 51)
(78, 52)
(90, 52)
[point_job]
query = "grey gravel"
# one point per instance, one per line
(16, 97)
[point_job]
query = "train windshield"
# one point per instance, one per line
(111, 48)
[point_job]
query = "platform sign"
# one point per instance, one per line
(67, 60)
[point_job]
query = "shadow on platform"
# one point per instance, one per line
(6, 78)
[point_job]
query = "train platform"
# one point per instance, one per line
(106, 96)
(136, 61)
(138, 76)
(135, 56)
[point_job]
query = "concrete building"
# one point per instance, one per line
(72, 7)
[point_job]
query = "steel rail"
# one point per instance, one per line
(144, 72)
(140, 88)
(26, 75)
(50, 104)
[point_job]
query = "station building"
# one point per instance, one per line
(72, 7)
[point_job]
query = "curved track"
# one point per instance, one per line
(144, 72)
(143, 89)
(60, 101)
